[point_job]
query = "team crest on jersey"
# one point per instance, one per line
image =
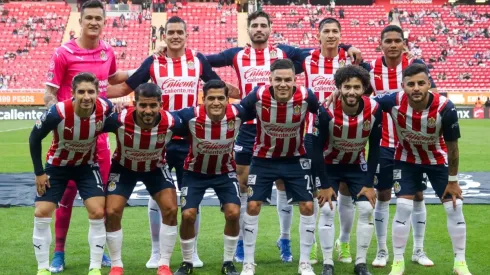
(273, 54)
(50, 76)
(98, 126)
(250, 191)
(297, 110)
(341, 63)
(231, 125)
(111, 186)
(103, 55)
(431, 122)
(190, 65)
(366, 125)
(160, 138)
(397, 187)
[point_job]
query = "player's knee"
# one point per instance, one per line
(327, 212)
(43, 212)
(189, 216)
(96, 213)
(170, 211)
(232, 214)
(306, 208)
(253, 208)
(113, 213)
(384, 194)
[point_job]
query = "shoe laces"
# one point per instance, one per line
(306, 267)
(421, 254)
(285, 248)
(249, 267)
(344, 250)
(381, 254)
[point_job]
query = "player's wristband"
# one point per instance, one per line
(453, 178)
(131, 72)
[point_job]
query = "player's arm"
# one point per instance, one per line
(181, 120)
(313, 104)
(248, 103)
(208, 73)
(112, 123)
(245, 114)
(142, 75)
(386, 101)
(223, 59)
(50, 97)
(373, 155)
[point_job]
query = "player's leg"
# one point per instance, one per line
(259, 183)
(308, 141)
(346, 217)
(45, 206)
(285, 213)
(90, 186)
(194, 186)
(298, 183)
(419, 223)
(456, 224)
(406, 178)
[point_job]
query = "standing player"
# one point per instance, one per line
(428, 132)
(252, 64)
(386, 78)
(210, 164)
(178, 72)
(88, 53)
(75, 124)
(344, 130)
(281, 110)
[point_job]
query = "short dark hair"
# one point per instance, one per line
(176, 19)
(148, 90)
(350, 71)
(84, 77)
(328, 20)
(392, 28)
(413, 69)
(215, 84)
(280, 64)
(256, 14)
(93, 4)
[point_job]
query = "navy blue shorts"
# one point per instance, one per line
(244, 144)
(295, 172)
(408, 178)
(177, 150)
(354, 175)
(122, 180)
(384, 173)
(308, 140)
(195, 184)
(86, 177)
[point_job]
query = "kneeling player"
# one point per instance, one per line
(75, 124)
(141, 134)
(344, 129)
(212, 129)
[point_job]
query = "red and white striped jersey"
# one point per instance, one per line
(280, 126)
(420, 133)
(74, 138)
(319, 73)
(348, 135)
(211, 143)
(141, 150)
(386, 80)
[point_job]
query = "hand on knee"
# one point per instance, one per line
(327, 212)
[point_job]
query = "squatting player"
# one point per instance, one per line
(75, 124)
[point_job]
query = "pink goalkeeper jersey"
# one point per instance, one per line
(69, 60)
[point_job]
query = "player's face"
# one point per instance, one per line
(147, 109)
(329, 36)
(392, 45)
(215, 102)
(416, 87)
(175, 36)
(259, 30)
(85, 95)
(351, 91)
(283, 82)
(92, 22)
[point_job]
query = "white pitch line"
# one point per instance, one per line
(16, 129)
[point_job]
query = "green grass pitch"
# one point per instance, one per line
(17, 256)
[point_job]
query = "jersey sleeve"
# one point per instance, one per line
(386, 101)
(207, 70)
(245, 114)
(142, 74)
(313, 103)
(420, 61)
(296, 55)
(48, 122)
(57, 69)
(248, 103)
(112, 123)
(180, 128)
(319, 138)
(224, 58)
(450, 124)
(373, 155)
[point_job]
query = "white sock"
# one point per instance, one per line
(229, 248)
(243, 209)
(155, 218)
(96, 241)
(401, 227)
(168, 237)
(41, 238)
(326, 231)
(187, 247)
(114, 245)
(285, 212)
(457, 228)
(364, 232)
(316, 209)
(306, 237)
(346, 217)
(419, 218)
(250, 229)
(197, 225)
(381, 219)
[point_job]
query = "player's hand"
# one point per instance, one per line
(160, 51)
(453, 190)
(118, 107)
(332, 98)
(326, 195)
(355, 55)
(369, 193)
(41, 182)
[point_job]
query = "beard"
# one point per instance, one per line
(357, 98)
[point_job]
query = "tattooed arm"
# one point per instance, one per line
(50, 96)
(453, 157)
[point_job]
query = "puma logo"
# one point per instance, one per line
(377, 76)
(79, 57)
(461, 223)
(401, 222)
(249, 230)
(62, 205)
(100, 186)
(311, 231)
(379, 220)
(371, 223)
(199, 125)
(421, 222)
(338, 126)
(163, 65)
(129, 135)
(314, 62)
(37, 246)
(100, 246)
(287, 211)
(328, 225)
(266, 108)
(401, 114)
(153, 209)
(69, 129)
